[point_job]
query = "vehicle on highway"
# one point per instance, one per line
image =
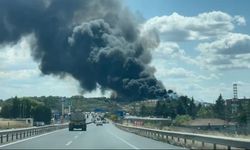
(105, 121)
(77, 120)
(39, 123)
(99, 123)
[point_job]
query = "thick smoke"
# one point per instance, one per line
(97, 42)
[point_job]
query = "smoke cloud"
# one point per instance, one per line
(98, 42)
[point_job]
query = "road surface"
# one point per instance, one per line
(96, 137)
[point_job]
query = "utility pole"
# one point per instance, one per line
(62, 117)
(70, 106)
(248, 117)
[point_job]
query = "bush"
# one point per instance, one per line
(114, 118)
(182, 119)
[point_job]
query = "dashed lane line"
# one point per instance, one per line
(121, 139)
(69, 142)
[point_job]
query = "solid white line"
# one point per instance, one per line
(68, 143)
(30, 138)
(126, 142)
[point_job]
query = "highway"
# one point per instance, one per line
(96, 137)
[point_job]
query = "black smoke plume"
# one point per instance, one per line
(97, 42)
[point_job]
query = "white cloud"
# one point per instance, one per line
(171, 50)
(230, 51)
(203, 26)
(19, 74)
(17, 55)
(178, 73)
(232, 43)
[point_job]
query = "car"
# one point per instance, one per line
(105, 121)
(98, 123)
(39, 123)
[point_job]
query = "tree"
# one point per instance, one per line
(182, 119)
(27, 106)
(205, 112)
(6, 111)
(164, 109)
(192, 110)
(42, 113)
(220, 108)
(158, 110)
(16, 110)
(182, 105)
(242, 115)
(143, 110)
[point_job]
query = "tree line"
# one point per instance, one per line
(184, 105)
(171, 108)
(26, 108)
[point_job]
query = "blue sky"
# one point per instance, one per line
(204, 49)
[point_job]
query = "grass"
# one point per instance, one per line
(9, 124)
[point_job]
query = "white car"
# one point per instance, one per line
(98, 123)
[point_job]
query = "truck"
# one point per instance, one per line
(77, 120)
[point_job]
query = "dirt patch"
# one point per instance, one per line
(9, 124)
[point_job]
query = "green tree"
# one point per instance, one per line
(143, 110)
(165, 110)
(220, 108)
(42, 113)
(205, 112)
(158, 109)
(27, 106)
(192, 109)
(6, 111)
(182, 105)
(242, 115)
(16, 108)
(182, 119)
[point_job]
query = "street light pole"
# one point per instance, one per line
(69, 106)
(62, 110)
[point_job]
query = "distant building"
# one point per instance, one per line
(150, 101)
(77, 97)
(233, 104)
(205, 104)
(140, 121)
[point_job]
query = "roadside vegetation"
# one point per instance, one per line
(26, 108)
(183, 109)
(44, 108)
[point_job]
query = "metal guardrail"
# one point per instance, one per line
(7, 136)
(184, 137)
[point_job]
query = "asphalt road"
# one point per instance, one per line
(96, 137)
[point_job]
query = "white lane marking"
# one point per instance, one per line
(69, 142)
(76, 137)
(30, 138)
(126, 142)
